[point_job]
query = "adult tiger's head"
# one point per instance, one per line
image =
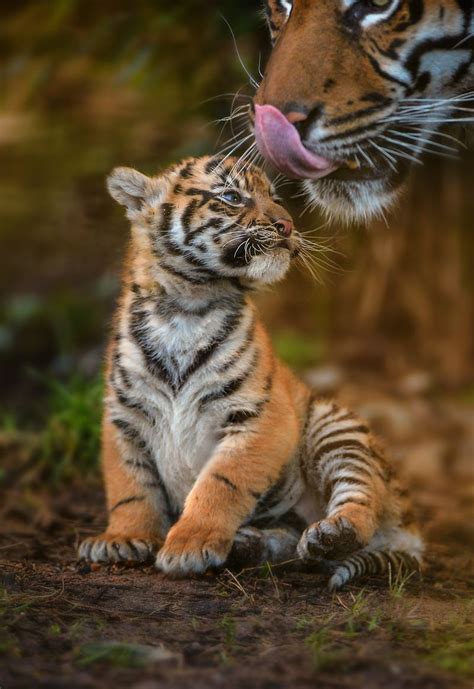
(356, 90)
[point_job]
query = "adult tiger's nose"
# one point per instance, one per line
(284, 227)
(294, 116)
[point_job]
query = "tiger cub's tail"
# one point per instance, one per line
(397, 563)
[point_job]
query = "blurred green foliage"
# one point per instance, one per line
(69, 441)
(84, 87)
(298, 350)
(151, 46)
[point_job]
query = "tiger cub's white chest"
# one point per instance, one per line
(173, 369)
(183, 443)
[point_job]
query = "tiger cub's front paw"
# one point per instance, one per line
(329, 539)
(109, 549)
(190, 549)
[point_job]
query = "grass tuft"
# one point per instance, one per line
(324, 652)
(70, 440)
(123, 654)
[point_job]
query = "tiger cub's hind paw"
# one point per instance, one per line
(108, 549)
(328, 539)
(253, 547)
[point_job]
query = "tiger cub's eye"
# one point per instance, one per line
(232, 197)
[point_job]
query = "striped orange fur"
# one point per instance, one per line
(209, 441)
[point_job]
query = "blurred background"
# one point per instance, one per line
(88, 86)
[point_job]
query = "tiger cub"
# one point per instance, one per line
(207, 436)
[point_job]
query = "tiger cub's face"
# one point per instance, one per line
(205, 220)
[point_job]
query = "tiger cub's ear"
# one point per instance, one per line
(130, 188)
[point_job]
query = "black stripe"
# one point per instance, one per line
(237, 355)
(373, 563)
(187, 216)
(386, 75)
(187, 171)
(348, 134)
(343, 445)
(134, 437)
(412, 64)
(314, 399)
(153, 361)
(343, 431)
(273, 495)
(242, 415)
(367, 458)
(117, 367)
(230, 387)
(163, 233)
(213, 223)
(343, 565)
(191, 278)
(350, 501)
(358, 114)
(133, 405)
(127, 501)
(208, 274)
(168, 308)
(212, 164)
(360, 564)
(230, 325)
(365, 471)
(166, 218)
(205, 194)
(224, 479)
(331, 485)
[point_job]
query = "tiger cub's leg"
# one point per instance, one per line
(342, 463)
(134, 529)
(244, 467)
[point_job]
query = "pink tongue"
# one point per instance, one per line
(279, 142)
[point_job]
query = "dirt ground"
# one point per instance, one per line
(63, 624)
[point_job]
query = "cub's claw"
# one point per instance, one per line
(109, 549)
(189, 550)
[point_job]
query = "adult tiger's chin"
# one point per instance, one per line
(352, 201)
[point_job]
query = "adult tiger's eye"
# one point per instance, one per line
(380, 4)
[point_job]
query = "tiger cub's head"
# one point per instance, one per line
(206, 220)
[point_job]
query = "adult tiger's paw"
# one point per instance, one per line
(328, 539)
(191, 549)
(110, 549)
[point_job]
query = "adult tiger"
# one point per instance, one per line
(356, 91)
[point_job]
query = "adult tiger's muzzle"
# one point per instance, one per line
(279, 142)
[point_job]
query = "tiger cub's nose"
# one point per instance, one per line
(284, 227)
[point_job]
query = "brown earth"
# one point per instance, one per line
(63, 624)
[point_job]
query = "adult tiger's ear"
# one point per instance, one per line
(131, 188)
